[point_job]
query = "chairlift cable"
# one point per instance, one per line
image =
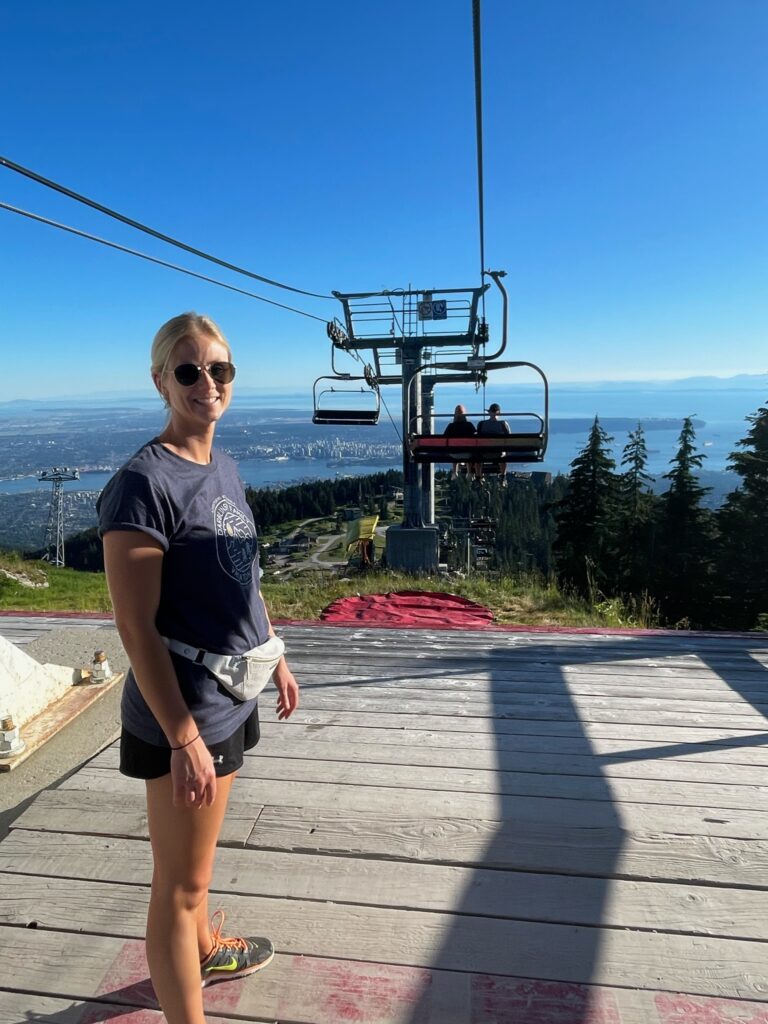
(384, 403)
(154, 259)
(476, 38)
(151, 231)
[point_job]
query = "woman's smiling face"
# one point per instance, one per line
(202, 404)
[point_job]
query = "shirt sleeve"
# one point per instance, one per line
(131, 501)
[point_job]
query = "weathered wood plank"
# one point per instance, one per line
(678, 731)
(314, 990)
(681, 745)
(21, 1007)
(521, 636)
(701, 767)
(680, 714)
(528, 846)
(499, 644)
(614, 787)
(302, 990)
(70, 810)
(730, 968)
(697, 910)
(608, 852)
(499, 648)
(561, 684)
(355, 755)
(616, 790)
(676, 747)
(527, 669)
(18, 1007)
(741, 823)
(555, 696)
(405, 664)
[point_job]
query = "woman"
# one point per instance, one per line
(181, 560)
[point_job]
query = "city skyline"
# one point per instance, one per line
(333, 148)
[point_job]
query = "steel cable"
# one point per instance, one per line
(27, 173)
(154, 259)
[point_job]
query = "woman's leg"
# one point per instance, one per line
(178, 933)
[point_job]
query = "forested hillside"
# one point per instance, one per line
(701, 568)
(602, 532)
(319, 498)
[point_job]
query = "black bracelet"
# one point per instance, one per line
(187, 743)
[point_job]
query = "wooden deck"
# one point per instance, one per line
(455, 828)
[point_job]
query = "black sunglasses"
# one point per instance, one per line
(188, 374)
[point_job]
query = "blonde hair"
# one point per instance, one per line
(185, 325)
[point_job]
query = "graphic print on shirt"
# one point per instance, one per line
(235, 540)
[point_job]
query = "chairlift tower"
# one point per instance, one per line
(55, 526)
(418, 339)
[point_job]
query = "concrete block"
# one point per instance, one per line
(412, 549)
(26, 686)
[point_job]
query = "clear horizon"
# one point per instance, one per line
(750, 382)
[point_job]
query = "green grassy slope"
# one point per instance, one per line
(512, 599)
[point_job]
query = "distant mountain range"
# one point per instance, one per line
(278, 397)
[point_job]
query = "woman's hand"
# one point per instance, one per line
(288, 690)
(192, 775)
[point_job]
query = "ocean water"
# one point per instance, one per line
(256, 472)
(720, 408)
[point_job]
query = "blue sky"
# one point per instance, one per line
(331, 145)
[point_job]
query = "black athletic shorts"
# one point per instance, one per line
(142, 760)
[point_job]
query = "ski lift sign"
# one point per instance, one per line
(433, 309)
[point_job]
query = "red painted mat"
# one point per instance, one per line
(409, 608)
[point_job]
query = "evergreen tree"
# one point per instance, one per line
(519, 517)
(686, 536)
(743, 553)
(585, 542)
(635, 526)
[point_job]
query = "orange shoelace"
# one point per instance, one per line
(217, 923)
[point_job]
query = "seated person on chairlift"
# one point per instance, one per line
(460, 426)
(494, 427)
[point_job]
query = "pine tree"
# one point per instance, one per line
(686, 538)
(743, 554)
(635, 526)
(584, 544)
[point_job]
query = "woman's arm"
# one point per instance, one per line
(287, 687)
(133, 561)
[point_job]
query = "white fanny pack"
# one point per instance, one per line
(243, 675)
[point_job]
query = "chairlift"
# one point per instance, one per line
(346, 406)
(526, 442)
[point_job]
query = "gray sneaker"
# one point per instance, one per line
(233, 958)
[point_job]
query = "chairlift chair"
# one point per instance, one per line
(526, 442)
(522, 445)
(345, 406)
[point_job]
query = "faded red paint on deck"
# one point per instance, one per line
(348, 992)
(498, 1000)
(127, 980)
(127, 977)
(679, 1009)
(118, 1015)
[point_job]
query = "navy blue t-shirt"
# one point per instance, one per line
(209, 594)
